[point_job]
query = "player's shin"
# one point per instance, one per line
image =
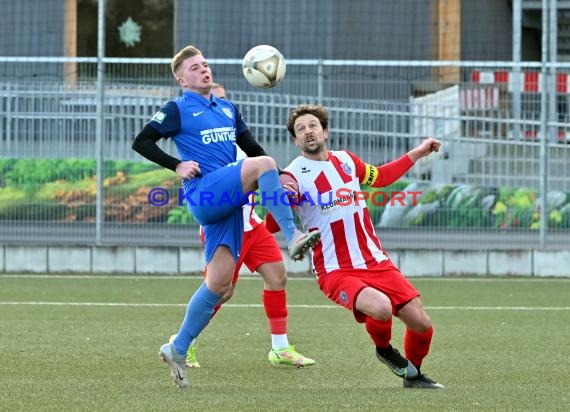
(417, 344)
(198, 314)
(272, 195)
(275, 304)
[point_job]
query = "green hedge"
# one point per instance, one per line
(464, 206)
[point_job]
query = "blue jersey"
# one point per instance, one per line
(203, 130)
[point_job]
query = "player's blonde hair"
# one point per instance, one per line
(185, 53)
(316, 110)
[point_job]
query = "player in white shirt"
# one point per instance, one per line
(351, 267)
(261, 253)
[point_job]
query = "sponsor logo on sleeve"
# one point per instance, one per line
(158, 117)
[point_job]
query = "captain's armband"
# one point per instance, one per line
(370, 175)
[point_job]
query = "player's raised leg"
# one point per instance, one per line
(261, 173)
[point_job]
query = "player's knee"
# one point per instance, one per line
(227, 296)
(274, 275)
(276, 284)
(424, 323)
(374, 303)
(421, 323)
(279, 281)
(220, 288)
(265, 163)
(381, 311)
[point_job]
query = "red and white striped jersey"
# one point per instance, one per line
(327, 203)
(250, 218)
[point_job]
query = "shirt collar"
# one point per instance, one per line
(198, 98)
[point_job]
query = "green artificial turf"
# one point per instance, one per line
(91, 343)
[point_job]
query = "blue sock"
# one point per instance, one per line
(198, 314)
(274, 199)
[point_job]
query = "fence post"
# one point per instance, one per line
(552, 92)
(544, 126)
(100, 212)
(517, 83)
(320, 82)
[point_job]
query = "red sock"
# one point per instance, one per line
(416, 345)
(275, 304)
(380, 332)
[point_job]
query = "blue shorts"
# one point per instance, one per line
(215, 201)
(227, 232)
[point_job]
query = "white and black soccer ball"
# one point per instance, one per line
(263, 66)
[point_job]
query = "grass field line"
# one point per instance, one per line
(290, 279)
(258, 305)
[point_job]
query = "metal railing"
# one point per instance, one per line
(485, 146)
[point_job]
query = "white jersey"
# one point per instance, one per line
(327, 189)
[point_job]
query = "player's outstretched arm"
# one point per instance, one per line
(381, 176)
(425, 148)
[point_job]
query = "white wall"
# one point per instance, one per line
(176, 260)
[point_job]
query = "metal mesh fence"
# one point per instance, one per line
(482, 190)
(47, 132)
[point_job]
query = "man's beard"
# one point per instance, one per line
(315, 149)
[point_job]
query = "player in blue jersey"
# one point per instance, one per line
(206, 130)
(261, 253)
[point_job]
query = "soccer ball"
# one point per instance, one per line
(263, 66)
